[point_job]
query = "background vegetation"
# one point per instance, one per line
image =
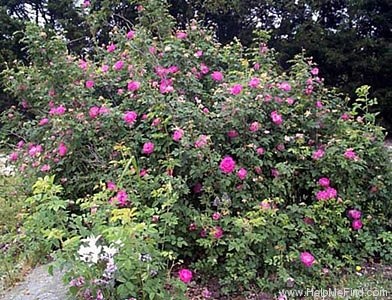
(350, 40)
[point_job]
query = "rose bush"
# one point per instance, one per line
(178, 153)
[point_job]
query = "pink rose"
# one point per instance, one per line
(276, 118)
(83, 64)
(185, 275)
(173, 69)
(345, 117)
(255, 126)
(111, 186)
(130, 117)
(20, 144)
(62, 149)
(216, 216)
(232, 134)
(314, 71)
(206, 293)
(86, 3)
(307, 259)
(201, 141)
(118, 65)
(258, 170)
(285, 86)
(241, 174)
(121, 198)
(321, 195)
(57, 111)
(356, 224)
(89, 84)
(227, 165)
(104, 110)
(217, 76)
(204, 68)
(260, 150)
(93, 112)
(148, 148)
(199, 53)
(130, 34)
(318, 154)
(290, 101)
(324, 182)
(178, 134)
(43, 122)
(254, 82)
(35, 150)
(331, 193)
(45, 168)
(218, 232)
(181, 35)
(354, 214)
(236, 89)
(111, 47)
(13, 156)
(143, 172)
(105, 68)
(156, 122)
(133, 86)
(166, 86)
(350, 154)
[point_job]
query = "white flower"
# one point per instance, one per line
(108, 252)
(90, 253)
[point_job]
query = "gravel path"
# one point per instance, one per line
(38, 285)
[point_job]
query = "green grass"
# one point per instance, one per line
(13, 262)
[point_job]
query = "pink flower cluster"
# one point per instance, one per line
(328, 192)
(121, 198)
(318, 154)
(57, 111)
(96, 111)
(355, 215)
(285, 86)
(201, 141)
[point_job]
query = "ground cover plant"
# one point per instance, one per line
(167, 159)
(15, 258)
